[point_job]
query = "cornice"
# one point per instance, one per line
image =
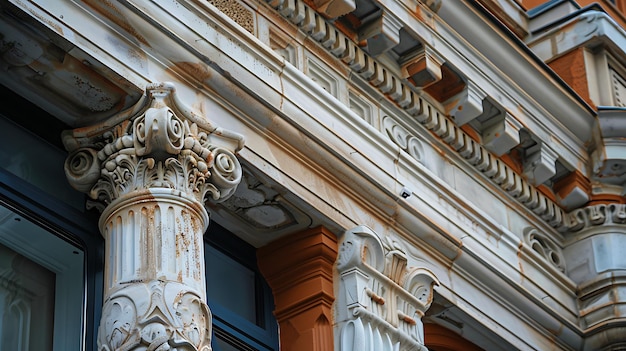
(437, 122)
(585, 29)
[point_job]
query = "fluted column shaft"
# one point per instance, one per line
(154, 234)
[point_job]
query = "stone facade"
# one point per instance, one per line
(410, 170)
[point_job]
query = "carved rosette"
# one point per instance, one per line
(382, 300)
(158, 144)
(150, 170)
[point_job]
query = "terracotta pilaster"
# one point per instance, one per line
(299, 269)
(150, 171)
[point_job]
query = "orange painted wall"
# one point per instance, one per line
(299, 270)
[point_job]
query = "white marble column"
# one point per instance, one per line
(149, 171)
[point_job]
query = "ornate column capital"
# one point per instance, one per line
(159, 143)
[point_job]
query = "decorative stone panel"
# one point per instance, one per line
(545, 247)
(381, 301)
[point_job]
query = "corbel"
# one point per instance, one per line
(382, 33)
(423, 69)
(609, 155)
(468, 104)
(572, 191)
(500, 133)
(539, 163)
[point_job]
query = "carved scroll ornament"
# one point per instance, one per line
(382, 300)
(155, 316)
(150, 170)
(158, 144)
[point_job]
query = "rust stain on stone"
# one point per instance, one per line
(51, 24)
(199, 71)
(107, 9)
(519, 260)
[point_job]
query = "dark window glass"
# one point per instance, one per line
(239, 297)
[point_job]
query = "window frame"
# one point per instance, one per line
(263, 335)
(66, 223)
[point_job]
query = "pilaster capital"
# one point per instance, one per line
(382, 299)
(158, 143)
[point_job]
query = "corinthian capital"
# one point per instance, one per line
(159, 143)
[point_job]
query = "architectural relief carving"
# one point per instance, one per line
(162, 145)
(263, 208)
(545, 247)
(399, 135)
(381, 301)
(150, 170)
(156, 315)
(598, 215)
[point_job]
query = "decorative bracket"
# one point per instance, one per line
(423, 69)
(539, 163)
(334, 8)
(469, 104)
(499, 129)
(609, 156)
(382, 33)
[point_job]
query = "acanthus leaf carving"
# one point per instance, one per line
(381, 295)
(161, 145)
(155, 316)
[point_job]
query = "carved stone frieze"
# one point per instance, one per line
(598, 215)
(382, 300)
(162, 144)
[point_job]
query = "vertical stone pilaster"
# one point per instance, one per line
(381, 300)
(594, 253)
(299, 269)
(150, 171)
